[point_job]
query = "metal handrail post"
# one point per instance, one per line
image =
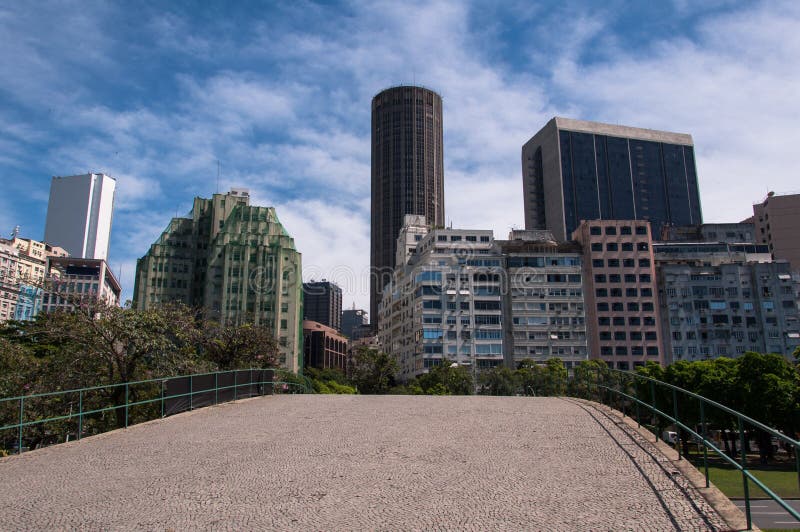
(677, 427)
(126, 405)
(80, 414)
(235, 384)
(653, 399)
(191, 392)
(216, 388)
(705, 447)
(21, 418)
(743, 460)
(797, 463)
(162, 397)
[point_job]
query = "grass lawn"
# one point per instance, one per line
(729, 481)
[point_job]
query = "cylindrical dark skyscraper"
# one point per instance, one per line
(407, 173)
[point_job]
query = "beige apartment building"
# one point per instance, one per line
(622, 312)
(33, 257)
(9, 280)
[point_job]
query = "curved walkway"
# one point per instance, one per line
(358, 462)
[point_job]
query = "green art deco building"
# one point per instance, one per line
(233, 260)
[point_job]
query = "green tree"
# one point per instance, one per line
(556, 376)
(19, 369)
(768, 387)
(447, 378)
(100, 344)
(372, 371)
(329, 380)
(238, 346)
(498, 380)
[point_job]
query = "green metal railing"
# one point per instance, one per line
(630, 392)
(131, 402)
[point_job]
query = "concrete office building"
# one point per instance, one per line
(575, 170)
(323, 347)
(233, 260)
(777, 220)
(722, 299)
(72, 279)
(322, 303)
(407, 173)
(732, 233)
(79, 214)
(352, 319)
(446, 302)
(622, 312)
(543, 297)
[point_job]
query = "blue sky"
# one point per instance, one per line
(155, 93)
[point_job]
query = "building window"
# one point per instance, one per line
(611, 230)
(594, 230)
(612, 246)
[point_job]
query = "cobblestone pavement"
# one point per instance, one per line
(354, 463)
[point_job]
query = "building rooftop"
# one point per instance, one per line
(614, 130)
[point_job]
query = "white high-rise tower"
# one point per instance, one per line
(79, 214)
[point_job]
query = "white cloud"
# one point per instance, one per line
(334, 240)
(287, 111)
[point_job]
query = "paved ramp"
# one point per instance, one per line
(358, 462)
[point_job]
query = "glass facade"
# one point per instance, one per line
(606, 177)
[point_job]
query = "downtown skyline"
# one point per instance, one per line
(281, 98)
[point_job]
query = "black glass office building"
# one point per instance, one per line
(575, 170)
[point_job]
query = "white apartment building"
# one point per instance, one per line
(445, 303)
(544, 299)
(79, 214)
(72, 279)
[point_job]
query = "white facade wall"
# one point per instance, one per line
(79, 214)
